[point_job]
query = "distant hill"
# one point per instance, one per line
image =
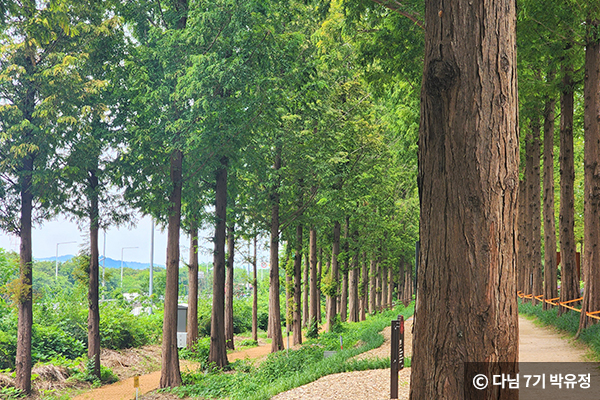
(110, 263)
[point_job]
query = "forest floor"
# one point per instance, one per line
(536, 344)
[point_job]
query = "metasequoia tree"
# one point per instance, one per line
(468, 178)
(591, 274)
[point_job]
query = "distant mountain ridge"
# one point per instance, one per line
(110, 263)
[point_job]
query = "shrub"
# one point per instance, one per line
(51, 341)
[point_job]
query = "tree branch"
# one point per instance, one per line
(396, 7)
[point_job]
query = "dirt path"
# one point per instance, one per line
(124, 390)
(536, 344)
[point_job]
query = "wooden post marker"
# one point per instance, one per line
(136, 385)
(397, 356)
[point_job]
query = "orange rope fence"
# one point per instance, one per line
(591, 314)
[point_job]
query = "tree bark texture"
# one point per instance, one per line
(192, 312)
(274, 306)
(218, 350)
(466, 307)
(384, 286)
(591, 259)
(297, 310)
(378, 286)
(23, 361)
(569, 279)
(550, 268)
(170, 374)
(534, 217)
(229, 288)
(314, 301)
(319, 276)
(93, 286)
(527, 267)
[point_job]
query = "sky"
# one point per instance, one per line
(60, 230)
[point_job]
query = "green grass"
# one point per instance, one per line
(567, 322)
(284, 370)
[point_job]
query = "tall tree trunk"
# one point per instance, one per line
(331, 297)
(306, 290)
(468, 177)
(364, 298)
(378, 286)
(218, 350)
(274, 306)
(229, 287)
(319, 277)
(522, 238)
(354, 311)
(528, 226)
(569, 279)
(373, 287)
(192, 312)
(170, 375)
(534, 209)
(314, 302)
(296, 312)
(93, 306)
(591, 273)
(550, 268)
(25, 301)
(384, 285)
(391, 286)
(254, 297)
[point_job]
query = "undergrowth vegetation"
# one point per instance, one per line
(568, 322)
(285, 370)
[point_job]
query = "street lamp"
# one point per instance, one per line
(56, 259)
(123, 248)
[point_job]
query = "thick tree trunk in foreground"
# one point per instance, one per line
(296, 312)
(93, 306)
(254, 297)
(468, 178)
(229, 288)
(550, 268)
(192, 314)
(274, 306)
(569, 279)
(314, 301)
(170, 375)
(218, 350)
(591, 260)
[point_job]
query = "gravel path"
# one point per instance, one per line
(359, 385)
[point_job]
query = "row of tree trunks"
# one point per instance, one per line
(591, 92)
(550, 267)
(569, 280)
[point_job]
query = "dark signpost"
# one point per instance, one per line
(397, 356)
